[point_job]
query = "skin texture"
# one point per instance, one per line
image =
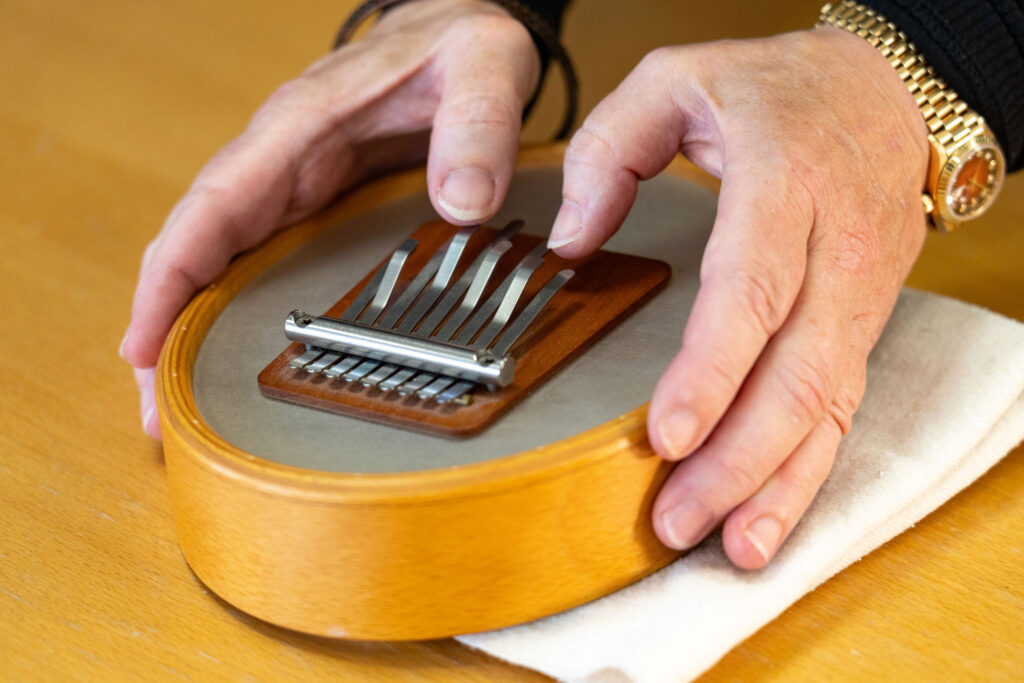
(441, 80)
(822, 155)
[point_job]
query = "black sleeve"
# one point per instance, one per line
(977, 47)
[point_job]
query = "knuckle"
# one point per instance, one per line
(805, 386)
(841, 415)
(866, 328)
(299, 94)
(494, 47)
(589, 146)
(292, 92)
(493, 31)
(480, 110)
(656, 62)
(739, 474)
(592, 153)
(761, 293)
(857, 250)
(846, 402)
(803, 481)
(722, 373)
(491, 25)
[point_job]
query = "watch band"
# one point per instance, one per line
(967, 166)
(948, 117)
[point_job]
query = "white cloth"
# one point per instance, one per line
(945, 402)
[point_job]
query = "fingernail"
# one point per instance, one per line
(120, 349)
(146, 417)
(466, 194)
(678, 430)
(764, 534)
(686, 523)
(568, 226)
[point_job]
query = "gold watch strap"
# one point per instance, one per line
(948, 118)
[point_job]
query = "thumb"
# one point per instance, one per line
(476, 127)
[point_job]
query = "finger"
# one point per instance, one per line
(630, 136)
(756, 529)
(233, 205)
(298, 151)
(792, 386)
(145, 378)
(751, 273)
(476, 127)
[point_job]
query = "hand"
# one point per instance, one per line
(822, 154)
(463, 67)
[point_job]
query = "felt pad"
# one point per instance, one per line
(670, 222)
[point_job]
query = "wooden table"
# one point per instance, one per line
(107, 109)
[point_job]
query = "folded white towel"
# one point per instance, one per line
(945, 402)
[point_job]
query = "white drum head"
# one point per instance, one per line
(670, 221)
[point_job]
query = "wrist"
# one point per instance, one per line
(900, 104)
(966, 163)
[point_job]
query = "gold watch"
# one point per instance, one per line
(967, 165)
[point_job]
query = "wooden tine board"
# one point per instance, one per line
(605, 289)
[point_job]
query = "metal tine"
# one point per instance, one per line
(386, 278)
(436, 387)
(379, 375)
(486, 260)
(416, 383)
(519, 276)
(454, 391)
(474, 291)
(516, 329)
(397, 379)
(504, 300)
(323, 361)
(308, 356)
(397, 310)
(363, 298)
(342, 366)
(522, 271)
(442, 264)
(441, 280)
(508, 304)
(360, 371)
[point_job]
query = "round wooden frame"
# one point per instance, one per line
(408, 555)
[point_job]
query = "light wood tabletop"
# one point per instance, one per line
(107, 110)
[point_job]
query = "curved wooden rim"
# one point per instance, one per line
(179, 412)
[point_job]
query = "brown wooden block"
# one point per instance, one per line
(606, 288)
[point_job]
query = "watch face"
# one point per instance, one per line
(975, 182)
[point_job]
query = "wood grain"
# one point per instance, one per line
(410, 555)
(108, 110)
(605, 289)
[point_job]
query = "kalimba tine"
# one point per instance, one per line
(425, 341)
(367, 524)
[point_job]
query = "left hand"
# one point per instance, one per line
(822, 154)
(456, 72)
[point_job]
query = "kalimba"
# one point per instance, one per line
(511, 481)
(455, 327)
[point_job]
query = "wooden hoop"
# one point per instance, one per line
(409, 555)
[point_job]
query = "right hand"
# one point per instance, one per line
(451, 74)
